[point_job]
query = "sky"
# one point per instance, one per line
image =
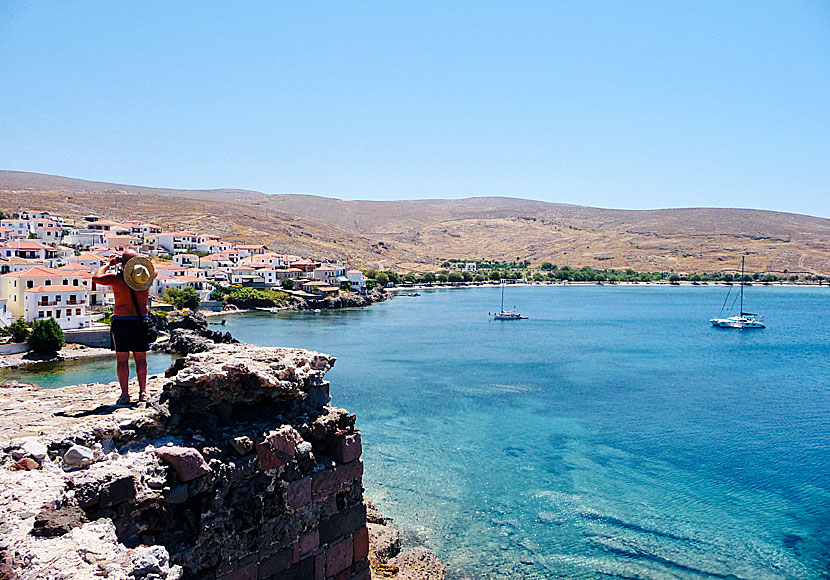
(609, 104)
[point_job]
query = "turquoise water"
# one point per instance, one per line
(51, 375)
(614, 434)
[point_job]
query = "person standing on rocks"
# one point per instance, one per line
(131, 287)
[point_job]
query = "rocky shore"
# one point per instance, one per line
(238, 468)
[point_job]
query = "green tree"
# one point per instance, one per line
(18, 330)
(674, 278)
(455, 277)
(254, 297)
(480, 278)
(468, 276)
(219, 292)
(382, 279)
(287, 284)
(547, 266)
(538, 277)
(429, 277)
(793, 278)
(46, 336)
(441, 277)
(495, 275)
(186, 297)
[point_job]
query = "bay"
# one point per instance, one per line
(614, 433)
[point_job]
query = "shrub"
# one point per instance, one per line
(183, 298)
(254, 297)
(18, 330)
(286, 284)
(46, 336)
(219, 292)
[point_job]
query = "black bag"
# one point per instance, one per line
(148, 325)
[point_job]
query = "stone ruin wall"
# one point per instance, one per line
(237, 469)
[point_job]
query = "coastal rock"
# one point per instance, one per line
(151, 560)
(186, 461)
(245, 374)
(189, 333)
(419, 564)
(78, 456)
(384, 542)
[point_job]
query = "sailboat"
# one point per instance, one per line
(743, 319)
(506, 314)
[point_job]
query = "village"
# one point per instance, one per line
(47, 264)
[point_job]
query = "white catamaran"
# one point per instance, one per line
(506, 314)
(743, 319)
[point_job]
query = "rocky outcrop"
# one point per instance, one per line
(237, 468)
(345, 300)
(189, 333)
(386, 559)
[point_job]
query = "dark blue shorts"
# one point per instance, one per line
(128, 335)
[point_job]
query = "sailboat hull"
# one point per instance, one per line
(737, 322)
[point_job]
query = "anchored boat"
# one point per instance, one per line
(506, 314)
(743, 320)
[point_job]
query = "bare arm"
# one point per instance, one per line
(101, 277)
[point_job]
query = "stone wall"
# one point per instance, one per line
(238, 468)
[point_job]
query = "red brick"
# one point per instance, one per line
(363, 575)
(361, 544)
(333, 479)
(248, 572)
(343, 523)
(344, 575)
(276, 563)
(309, 542)
(266, 459)
(339, 556)
(348, 448)
(298, 493)
(320, 567)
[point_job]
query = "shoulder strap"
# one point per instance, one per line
(135, 303)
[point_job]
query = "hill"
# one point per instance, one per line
(417, 234)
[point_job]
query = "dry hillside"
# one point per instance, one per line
(416, 234)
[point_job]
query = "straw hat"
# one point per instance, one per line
(138, 273)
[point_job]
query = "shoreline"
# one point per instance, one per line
(67, 353)
(448, 286)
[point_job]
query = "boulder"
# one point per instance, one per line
(186, 461)
(78, 456)
(26, 464)
(30, 447)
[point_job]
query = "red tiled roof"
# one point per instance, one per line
(36, 272)
(57, 288)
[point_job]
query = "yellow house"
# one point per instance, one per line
(14, 285)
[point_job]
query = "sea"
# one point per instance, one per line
(613, 434)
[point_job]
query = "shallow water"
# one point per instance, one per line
(613, 434)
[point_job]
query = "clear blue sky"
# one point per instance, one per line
(611, 104)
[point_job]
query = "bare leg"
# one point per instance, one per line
(122, 369)
(141, 370)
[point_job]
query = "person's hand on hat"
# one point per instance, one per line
(114, 259)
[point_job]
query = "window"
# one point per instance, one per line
(75, 282)
(40, 314)
(49, 313)
(78, 311)
(57, 313)
(65, 282)
(48, 282)
(30, 284)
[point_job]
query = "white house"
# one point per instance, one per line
(89, 261)
(201, 285)
(66, 304)
(357, 281)
(5, 315)
(186, 260)
(18, 227)
(177, 242)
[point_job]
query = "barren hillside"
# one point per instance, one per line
(416, 234)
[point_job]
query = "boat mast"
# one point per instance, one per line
(502, 295)
(742, 284)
